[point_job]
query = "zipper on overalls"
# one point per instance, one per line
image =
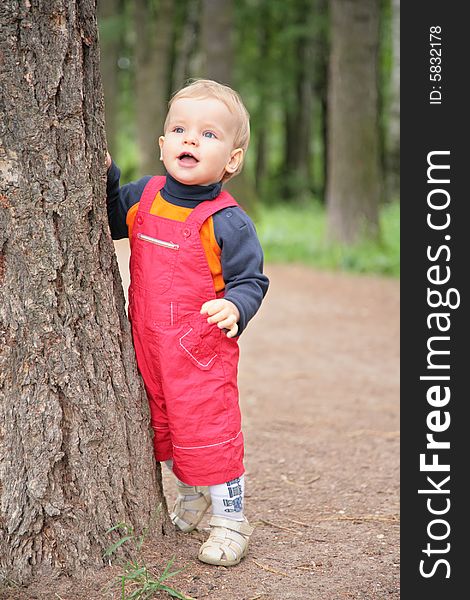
(157, 242)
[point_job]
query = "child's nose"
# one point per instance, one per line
(190, 139)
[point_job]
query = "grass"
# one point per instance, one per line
(137, 581)
(298, 234)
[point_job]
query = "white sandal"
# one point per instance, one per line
(227, 543)
(187, 514)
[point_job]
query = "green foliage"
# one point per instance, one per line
(126, 157)
(281, 49)
(112, 27)
(298, 234)
(137, 581)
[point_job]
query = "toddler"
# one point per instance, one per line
(197, 279)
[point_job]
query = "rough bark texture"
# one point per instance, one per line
(153, 50)
(75, 449)
(353, 187)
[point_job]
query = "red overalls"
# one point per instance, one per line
(188, 366)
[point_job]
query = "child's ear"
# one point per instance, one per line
(236, 158)
(161, 141)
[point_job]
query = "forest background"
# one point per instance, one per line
(321, 82)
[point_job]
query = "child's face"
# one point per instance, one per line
(197, 148)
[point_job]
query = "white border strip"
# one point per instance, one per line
(208, 445)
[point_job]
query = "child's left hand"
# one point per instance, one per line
(224, 313)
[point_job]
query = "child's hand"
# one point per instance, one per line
(224, 313)
(108, 160)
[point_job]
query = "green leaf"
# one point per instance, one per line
(136, 573)
(120, 526)
(174, 593)
(116, 545)
(167, 568)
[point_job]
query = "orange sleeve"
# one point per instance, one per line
(131, 213)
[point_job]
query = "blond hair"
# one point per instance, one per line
(206, 88)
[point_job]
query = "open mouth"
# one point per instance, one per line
(187, 158)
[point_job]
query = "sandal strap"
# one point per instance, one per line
(190, 490)
(187, 513)
(195, 504)
(242, 527)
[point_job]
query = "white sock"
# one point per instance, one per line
(227, 499)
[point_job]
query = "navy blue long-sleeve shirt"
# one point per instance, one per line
(235, 233)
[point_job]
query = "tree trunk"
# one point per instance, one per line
(217, 40)
(75, 450)
(298, 126)
(299, 102)
(218, 63)
(320, 69)
(353, 187)
(392, 159)
(262, 109)
(153, 54)
(186, 55)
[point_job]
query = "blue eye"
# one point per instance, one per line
(209, 134)
(178, 130)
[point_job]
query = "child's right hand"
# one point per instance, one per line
(109, 160)
(223, 313)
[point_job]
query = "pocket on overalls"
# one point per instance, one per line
(193, 346)
(153, 262)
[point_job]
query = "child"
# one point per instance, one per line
(196, 280)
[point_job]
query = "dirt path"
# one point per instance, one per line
(319, 381)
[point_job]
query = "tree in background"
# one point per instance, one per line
(354, 177)
(264, 31)
(298, 100)
(217, 41)
(278, 56)
(153, 46)
(392, 145)
(320, 139)
(219, 57)
(75, 450)
(186, 58)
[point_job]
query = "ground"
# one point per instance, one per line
(319, 381)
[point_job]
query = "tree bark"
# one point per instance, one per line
(75, 450)
(153, 55)
(353, 187)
